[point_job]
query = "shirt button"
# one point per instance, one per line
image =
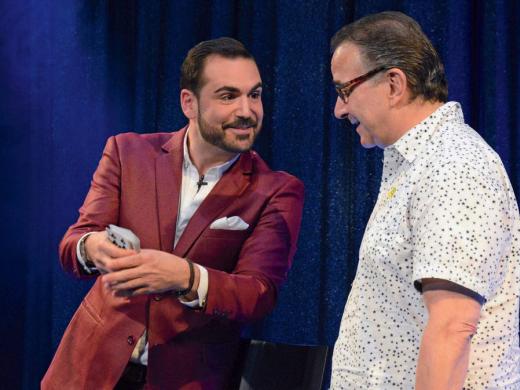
(157, 298)
(130, 340)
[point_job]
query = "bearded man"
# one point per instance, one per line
(218, 230)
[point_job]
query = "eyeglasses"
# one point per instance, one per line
(345, 90)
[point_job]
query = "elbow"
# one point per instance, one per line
(464, 329)
(456, 330)
(68, 258)
(65, 255)
(264, 303)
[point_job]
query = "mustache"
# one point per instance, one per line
(241, 123)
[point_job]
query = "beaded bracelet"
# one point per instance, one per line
(182, 293)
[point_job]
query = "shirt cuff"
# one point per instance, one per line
(202, 290)
(444, 284)
(81, 260)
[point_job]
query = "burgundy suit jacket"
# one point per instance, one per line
(137, 186)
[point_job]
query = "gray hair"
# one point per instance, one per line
(394, 40)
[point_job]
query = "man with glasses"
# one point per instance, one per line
(435, 301)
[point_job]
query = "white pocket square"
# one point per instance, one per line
(229, 223)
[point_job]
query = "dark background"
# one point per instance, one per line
(73, 73)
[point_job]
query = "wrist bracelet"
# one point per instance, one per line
(83, 252)
(182, 293)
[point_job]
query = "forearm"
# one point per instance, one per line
(444, 356)
(242, 298)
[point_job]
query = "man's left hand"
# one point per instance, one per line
(149, 271)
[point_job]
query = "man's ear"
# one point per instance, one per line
(398, 83)
(189, 103)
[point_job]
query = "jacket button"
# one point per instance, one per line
(130, 340)
(157, 298)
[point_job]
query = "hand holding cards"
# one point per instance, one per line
(128, 271)
(123, 238)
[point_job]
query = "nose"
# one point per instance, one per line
(340, 109)
(244, 107)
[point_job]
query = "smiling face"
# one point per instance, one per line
(367, 106)
(229, 112)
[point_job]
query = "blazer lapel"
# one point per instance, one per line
(168, 173)
(231, 185)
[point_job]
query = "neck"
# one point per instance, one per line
(410, 115)
(203, 154)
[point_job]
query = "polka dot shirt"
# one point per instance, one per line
(445, 210)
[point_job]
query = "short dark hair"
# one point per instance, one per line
(394, 40)
(193, 65)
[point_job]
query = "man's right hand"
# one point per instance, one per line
(100, 251)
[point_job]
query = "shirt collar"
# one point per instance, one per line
(216, 171)
(410, 145)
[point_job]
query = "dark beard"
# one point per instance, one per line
(216, 136)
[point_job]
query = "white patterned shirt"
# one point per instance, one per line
(445, 210)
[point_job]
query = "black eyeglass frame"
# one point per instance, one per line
(344, 90)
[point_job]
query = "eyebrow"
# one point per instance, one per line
(258, 85)
(228, 88)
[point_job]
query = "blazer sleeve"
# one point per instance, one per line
(100, 208)
(250, 291)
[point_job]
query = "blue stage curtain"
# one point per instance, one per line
(74, 73)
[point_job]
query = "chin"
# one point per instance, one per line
(243, 147)
(368, 146)
(367, 143)
(237, 147)
(241, 143)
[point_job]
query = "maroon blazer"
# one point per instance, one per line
(137, 186)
